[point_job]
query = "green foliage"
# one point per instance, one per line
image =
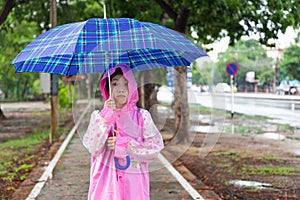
(291, 62)
(65, 96)
(211, 20)
(36, 91)
(269, 170)
(250, 56)
(15, 37)
(11, 150)
(202, 73)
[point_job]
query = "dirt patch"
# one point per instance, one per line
(270, 163)
(19, 125)
(234, 157)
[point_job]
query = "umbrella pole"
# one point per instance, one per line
(108, 73)
(109, 88)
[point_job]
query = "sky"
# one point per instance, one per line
(284, 40)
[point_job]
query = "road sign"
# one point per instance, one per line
(232, 69)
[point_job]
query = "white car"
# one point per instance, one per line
(165, 94)
(222, 87)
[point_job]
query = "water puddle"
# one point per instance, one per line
(273, 136)
(201, 118)
(205, 129)
(297, 152)
(202, 129)
(252, 184)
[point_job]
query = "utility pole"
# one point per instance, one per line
(54, 83)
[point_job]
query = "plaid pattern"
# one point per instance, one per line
(96, 44)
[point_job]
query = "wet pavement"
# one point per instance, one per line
(71, 178)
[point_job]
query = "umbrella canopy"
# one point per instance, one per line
(94, 45)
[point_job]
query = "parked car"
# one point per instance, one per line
(222, 87)
(288, 87)
(165, 94)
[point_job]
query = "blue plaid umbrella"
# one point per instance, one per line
(96, 44)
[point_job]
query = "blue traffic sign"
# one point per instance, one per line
(232, 69)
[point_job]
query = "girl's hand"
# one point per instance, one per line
(111, 104)
(111, 143)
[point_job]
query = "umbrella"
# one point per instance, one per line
(96, 44)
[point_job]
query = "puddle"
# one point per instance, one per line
(202, 129)
(205, 129)
(297, 152)
(201, 118)
(273, 136)
(257, 185)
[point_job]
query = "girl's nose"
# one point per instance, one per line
(121, 89)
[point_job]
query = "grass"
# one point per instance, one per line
(232, 156)
(262, 171)
(18, 155)
(258, 170)
(269, 159)
(26, 141)
(269, 170)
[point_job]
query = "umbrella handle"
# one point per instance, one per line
(120, 166)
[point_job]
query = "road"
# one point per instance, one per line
(284, 109)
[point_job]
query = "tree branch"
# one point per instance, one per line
(167, 8)
(181, 21)
(9, 5)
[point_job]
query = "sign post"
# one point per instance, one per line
(231, 70)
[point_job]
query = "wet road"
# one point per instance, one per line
(283, 109)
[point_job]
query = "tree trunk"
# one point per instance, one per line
(147, 92)
(181, 105)
(24, 89)
(2, 116)
(182, 123)
(182, 114)
(18, 89)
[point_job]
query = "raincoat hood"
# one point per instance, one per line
(132, 86)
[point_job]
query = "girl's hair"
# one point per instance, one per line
(117, 72)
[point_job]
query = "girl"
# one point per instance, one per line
(118, 132)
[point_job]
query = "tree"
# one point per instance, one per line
(211, 20)
(250, 56)
(291, 62)
(20, 22)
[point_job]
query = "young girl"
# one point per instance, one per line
(118, 132)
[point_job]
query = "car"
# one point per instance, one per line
(288, 87)
(222, 87)
(165, 94)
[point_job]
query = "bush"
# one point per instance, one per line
(65, 96)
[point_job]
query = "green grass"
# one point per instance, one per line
(15, 154)
(269, 170)
(270, 158)
(25, 142)
(232, 156)
(18, 156)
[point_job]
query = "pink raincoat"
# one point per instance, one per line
(138, 137)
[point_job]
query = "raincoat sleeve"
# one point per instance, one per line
(152, 143)
(97, 133)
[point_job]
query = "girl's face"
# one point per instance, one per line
(119, 87)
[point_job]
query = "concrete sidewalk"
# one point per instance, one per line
(71, 178)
